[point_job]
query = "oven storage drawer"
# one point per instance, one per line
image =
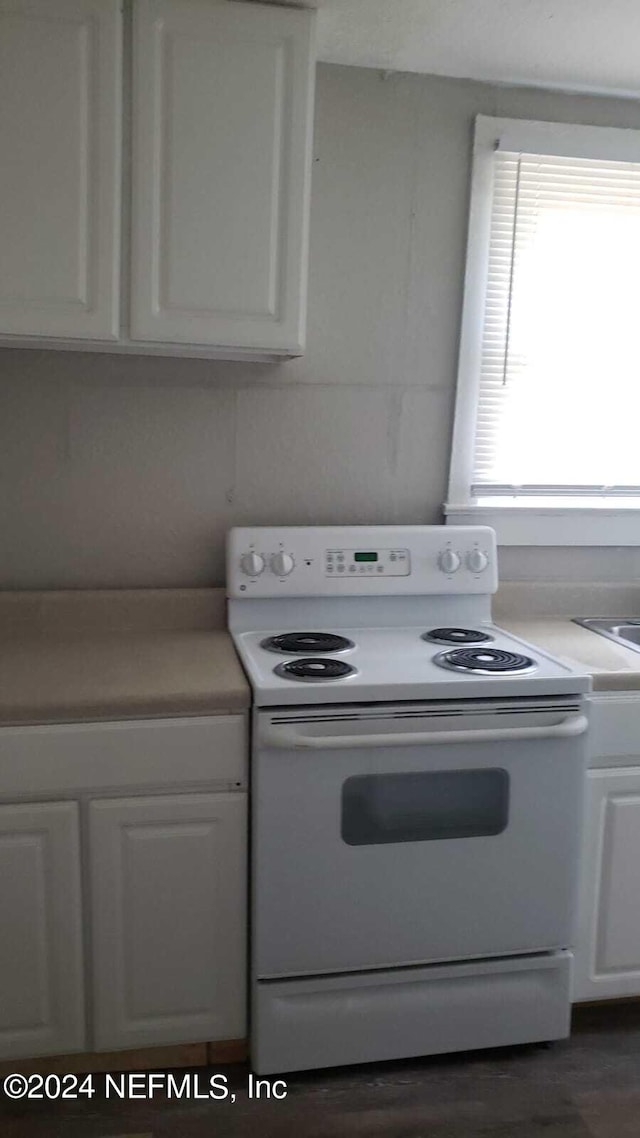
(365, 1017)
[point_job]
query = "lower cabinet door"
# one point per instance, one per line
(168, 919)
(41, 971)
(608, 950)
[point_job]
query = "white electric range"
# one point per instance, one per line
(417, 780)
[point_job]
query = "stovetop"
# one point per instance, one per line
(391, 664)
(361, 614)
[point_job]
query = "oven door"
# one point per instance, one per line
(403, 835)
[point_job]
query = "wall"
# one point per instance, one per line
(126, 471)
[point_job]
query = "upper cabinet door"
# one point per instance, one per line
(222, 108)
(60, 123)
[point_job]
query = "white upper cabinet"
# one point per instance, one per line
(211, 258)
(60, 123)
(221, 160)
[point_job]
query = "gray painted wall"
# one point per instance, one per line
(126, 471)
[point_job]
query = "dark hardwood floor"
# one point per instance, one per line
(585, 1087)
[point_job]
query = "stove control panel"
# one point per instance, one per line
(391, 562)
(266, 561)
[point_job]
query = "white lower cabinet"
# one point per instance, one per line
(156, 891)
(168, 888)
(608, 957)
(41, 968)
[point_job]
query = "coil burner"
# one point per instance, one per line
(305, 642)
(484, 661)
(311, 670)
(456, 636)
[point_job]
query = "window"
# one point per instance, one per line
(549, 375)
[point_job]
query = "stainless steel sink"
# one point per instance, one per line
(622, 629)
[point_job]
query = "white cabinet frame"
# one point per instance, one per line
(163, 861)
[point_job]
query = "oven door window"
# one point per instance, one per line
(424, 807)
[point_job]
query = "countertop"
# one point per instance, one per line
(542, 614)
(116, 654)
(145, 653)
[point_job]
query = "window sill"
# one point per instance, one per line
(553, 525)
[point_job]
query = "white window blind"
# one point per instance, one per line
(559, 394)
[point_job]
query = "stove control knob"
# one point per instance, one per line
(448, 561)
(251, 564)
(282, 564)
(477, 561)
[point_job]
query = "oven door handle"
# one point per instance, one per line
(290, 738)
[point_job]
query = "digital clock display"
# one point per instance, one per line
(365, 557)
